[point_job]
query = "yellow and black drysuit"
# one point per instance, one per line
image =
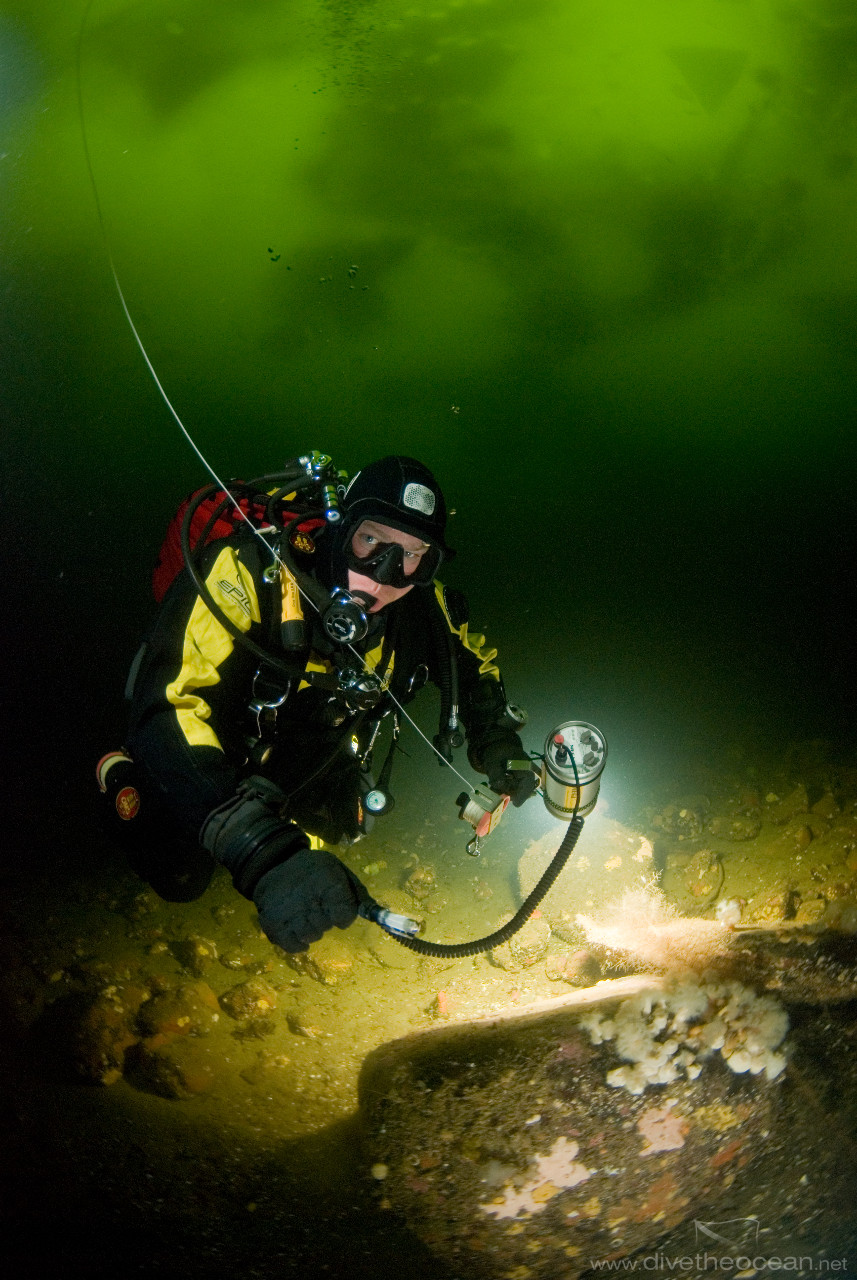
(205, 716)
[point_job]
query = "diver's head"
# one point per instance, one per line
(392, 534)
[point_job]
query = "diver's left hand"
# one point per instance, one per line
(303, 897)
(518, 784)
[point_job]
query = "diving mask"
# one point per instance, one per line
(386, 565)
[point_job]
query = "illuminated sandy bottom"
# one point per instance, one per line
(191, 1094)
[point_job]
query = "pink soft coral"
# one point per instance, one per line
(662, 1129)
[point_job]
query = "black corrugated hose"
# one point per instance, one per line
(528, 906)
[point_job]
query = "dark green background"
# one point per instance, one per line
(606, 287)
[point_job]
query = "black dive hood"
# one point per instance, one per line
(399, 492)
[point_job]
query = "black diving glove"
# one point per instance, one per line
(299, 892)
(302, 898)
(494, 759)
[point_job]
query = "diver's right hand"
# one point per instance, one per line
(299, 900)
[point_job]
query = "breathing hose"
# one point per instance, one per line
(369, 909)
(189, 554)
(317, 595)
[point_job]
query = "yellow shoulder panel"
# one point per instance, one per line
(476, 643)
(207, 645)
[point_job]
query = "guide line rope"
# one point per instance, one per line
(174, 413)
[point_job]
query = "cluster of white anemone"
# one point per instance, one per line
(665, 1034)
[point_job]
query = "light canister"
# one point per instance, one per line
(574, 759)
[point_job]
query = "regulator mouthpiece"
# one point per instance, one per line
(344, 618)
(574, 759)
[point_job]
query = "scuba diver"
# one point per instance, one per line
(258, 695)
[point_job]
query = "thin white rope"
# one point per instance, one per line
(414, 725)
(187, 435)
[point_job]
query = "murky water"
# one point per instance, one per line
(595, 265)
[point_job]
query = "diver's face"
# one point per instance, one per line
(369, 536)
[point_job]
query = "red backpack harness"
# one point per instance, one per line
(170, 560)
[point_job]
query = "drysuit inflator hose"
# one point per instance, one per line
(571, 768)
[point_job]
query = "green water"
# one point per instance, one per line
(595, 263)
